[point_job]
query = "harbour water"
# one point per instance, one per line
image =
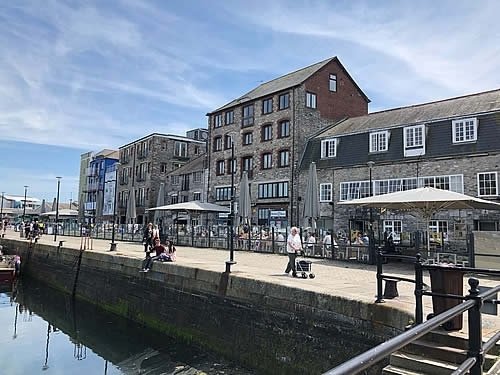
(45, 331)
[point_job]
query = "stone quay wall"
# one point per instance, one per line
(270, 327)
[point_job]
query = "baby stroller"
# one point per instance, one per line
(304, 267)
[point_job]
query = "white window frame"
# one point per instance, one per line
(394, 228)
(284, 158)
(328, 148)
(379, 141)
(435, 228)
(228, 142)
(229, 117)
(218, 144)
(359, 189)
(325, 192)
(181, 149)
(482, 189)
(311, 100)
(333, 83)
(221, 167)
(464, 130)
(247, 138)
(218, 120)
(414, 140)
(267, 160)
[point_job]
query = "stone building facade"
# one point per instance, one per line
(449, 144)
(145, 163)
(265, 132)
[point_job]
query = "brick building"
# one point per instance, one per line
(265, 131)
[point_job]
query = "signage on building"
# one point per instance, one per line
(279, 213)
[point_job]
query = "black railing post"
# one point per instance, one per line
(475, 331)
(419, 289)
(379, 260)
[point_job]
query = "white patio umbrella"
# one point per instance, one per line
(160, 201)
(426, 201)
(191, 206)
(311, 199)
(244, 201)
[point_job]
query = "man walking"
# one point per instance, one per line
(292, 246)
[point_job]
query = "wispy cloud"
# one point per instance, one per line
(416, 50)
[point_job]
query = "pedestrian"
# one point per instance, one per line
(156, 231)
(147, 239)
(292, 246)
(171, 251)
(163, 253)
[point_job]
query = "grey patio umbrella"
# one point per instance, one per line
(43, 207)
(131, 209)
(160, 201)
(54, 205)
(426, 201)
(244, 202)
(98, 205)
(81, 209)
(311, 201)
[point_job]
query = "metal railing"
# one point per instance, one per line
(471, 303)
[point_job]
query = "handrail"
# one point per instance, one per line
(475, 355)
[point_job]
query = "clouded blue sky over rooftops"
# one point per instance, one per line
(78, 76)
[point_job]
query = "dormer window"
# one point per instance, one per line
(328, 148)
(379, 141)
(464, 130)
(414, 140)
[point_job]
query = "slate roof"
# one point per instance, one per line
(283, 83)
(458, 107)
(194, 165)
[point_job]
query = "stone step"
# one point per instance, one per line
(424, 365)
(394, 370)
(443, 352)
(427, 349)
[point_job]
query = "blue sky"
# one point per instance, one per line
(78, 76)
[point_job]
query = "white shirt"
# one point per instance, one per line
(293, 243)
(327, 240)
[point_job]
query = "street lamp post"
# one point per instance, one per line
(1, 209)
(24, 204)
(2, 224)
(231, 261)
(371, 243)
(57, 208)
(113, 243)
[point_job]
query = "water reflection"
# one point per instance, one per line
(57, 334)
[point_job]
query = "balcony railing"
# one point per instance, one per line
(92, 171)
